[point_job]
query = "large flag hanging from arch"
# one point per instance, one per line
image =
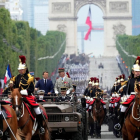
(89, 23)
(8, 74)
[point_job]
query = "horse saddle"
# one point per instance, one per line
(5, 112)
(4, 102)
(32, 113)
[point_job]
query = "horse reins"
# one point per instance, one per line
(137, 127)
(21, 107)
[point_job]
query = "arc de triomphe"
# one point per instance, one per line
(117, 20)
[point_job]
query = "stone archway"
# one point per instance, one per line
(117, 20)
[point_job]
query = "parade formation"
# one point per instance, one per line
(36, 111)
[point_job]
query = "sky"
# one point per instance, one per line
(96, 45)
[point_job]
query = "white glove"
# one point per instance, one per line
(24, 92)
(56, 92)
(68, 92)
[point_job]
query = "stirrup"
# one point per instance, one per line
(42, 130)
(1, 133)
(117, 127)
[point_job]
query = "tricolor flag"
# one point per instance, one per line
(8, 74)
(89, 23)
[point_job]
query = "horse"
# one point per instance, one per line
(26, 124)
(98, 115)
(131, 126)
(9, 122)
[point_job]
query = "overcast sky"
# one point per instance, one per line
(96, 45)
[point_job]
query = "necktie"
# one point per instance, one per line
(45, 82)
(62, 79)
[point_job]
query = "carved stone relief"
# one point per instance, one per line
(78, 3)
(118, 29)
(118, 7)
(61, 7)
(61, 27)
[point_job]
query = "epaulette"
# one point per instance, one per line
(30, 79)
(13, 78)
(124, 83)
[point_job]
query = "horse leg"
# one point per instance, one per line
(46, 135)
(130, 136)
(95, 129)
(98, 130)
(28, 136)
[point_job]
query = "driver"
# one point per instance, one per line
(63, 96)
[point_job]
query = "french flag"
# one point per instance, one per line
(8, 74)
(89, 23)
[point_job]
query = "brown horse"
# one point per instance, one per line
(12, 122)
(131, 126)
(98, 116)
(25, 123)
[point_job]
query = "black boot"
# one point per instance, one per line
(40, 123)
(119, 125)
(105, 111)
(110, 111)
(1, 126)
(116, 111)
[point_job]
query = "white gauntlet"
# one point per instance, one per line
(24, 92)
(56, 92)
(68, 92)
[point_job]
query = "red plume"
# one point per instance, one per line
(91, 79)
(23, 59)
(94, 79)
(68, 75)
(138, 58)
(123, 76)
(37, 78)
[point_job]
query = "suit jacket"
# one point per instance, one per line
(48, 88)
(65, 83)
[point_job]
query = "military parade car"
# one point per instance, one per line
(67, 120)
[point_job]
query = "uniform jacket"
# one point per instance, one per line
(91, 93)
(6, 91)
(131, 85)
(65, 83)
(48, 88)
(61, 99)
(25, 81)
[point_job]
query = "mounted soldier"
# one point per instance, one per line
(7, 90)
(86, 92)
(130, 91)
(25, 82)
(98, 90)
(63, 81)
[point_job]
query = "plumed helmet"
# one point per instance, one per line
(22, 64)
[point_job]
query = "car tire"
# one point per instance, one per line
(78, 135)
(82, 110)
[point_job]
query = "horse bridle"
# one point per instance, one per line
(138, 108)
(21, 109)
(97, 110)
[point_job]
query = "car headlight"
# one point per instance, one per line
(67, 119)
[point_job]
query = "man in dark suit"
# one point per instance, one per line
(45, 84)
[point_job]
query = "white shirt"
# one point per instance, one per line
(44, 80)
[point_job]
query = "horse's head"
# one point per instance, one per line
(16, 100)
(98, 96)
